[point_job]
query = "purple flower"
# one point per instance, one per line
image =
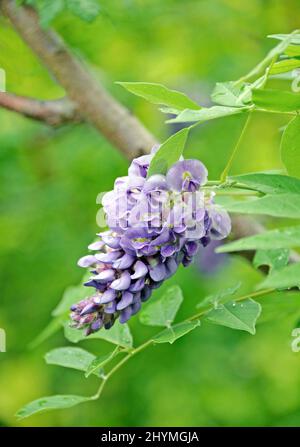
(123, 282)
(125, 300)
(155, 224)
(87, 261)
(220, 222)
(139, 166)
(140, 270)
(187, 175)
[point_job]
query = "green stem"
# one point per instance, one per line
(99, 391)
(235, 150)
(270, 58)
(125, 359)
(242, 186)
(150, 342)
(213, 183)
(246, 192)
(228, 184)
(258, 109)
(241, 298)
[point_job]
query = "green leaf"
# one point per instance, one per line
(276, 100)
(292, 50)
(174, 332)
(70, 357)
(275, 259)
(119, 334)
(218, 297)
(293, 38)
(236, 315)
(168, 153)
(100, 362)
(284, 66)
(278, 305)
(163, 311)
(284, 278)
(159, 94)
(50, 403)
(274, 239)
(290, 147)
(227, 94)
(86, 10)
(269, 183)
(169, 110)
(233, 95)
(280, 205)
(272, 55)
(206, 114)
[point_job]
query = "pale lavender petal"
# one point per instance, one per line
(89, 309)
(124, 262)
(155, 183)
(125, 301)
(87, 261)
(137, 286)
(135, 184)
(180, 228)
(220, 223)
(140, 270)
(109, 257)
(108, 296)
(111, 241)
(106, 276)
(121, 182)
(158, 273)
(139, 166)
(123, 282)
(97, 245)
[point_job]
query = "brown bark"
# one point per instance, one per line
(95, 104)
(53, 113)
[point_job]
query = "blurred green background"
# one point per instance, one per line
(49, 183)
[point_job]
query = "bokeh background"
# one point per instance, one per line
(49, 183)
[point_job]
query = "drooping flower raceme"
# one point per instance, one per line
(154, 224)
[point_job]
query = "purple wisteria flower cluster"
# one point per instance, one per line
(155, 224)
